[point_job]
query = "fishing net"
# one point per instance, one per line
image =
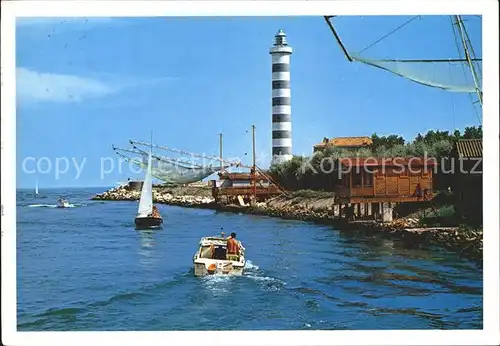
(449, 75)
(429, 50)
(173, 173)
(171, 170)
(179, 175)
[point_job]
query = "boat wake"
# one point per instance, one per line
(253, 272)
(55, 206)
(268, 283)
(249, 266)
(219, 282)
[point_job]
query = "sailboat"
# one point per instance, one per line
(147, 215)
(36, 188)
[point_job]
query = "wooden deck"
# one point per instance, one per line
(380, 199)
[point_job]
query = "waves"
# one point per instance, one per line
(90, 270)
(308, 299)
(60, 316)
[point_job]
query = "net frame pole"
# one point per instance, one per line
(337, 37)
(461, 30)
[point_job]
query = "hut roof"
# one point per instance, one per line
(469, 148)
(345, 142)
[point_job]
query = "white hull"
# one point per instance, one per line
(230, 268)
(64, 204)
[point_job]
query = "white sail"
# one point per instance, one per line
(146, 202)
(36, 187)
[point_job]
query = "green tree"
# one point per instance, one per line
(473, 132)
(418, 139)
(386, 141)
(436, 136)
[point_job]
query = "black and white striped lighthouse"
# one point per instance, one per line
(282, 122)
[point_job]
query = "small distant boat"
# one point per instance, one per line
(147, 214)
(211, 258)
(36, 187)
(63, 203)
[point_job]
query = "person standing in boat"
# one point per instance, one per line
(233, 249)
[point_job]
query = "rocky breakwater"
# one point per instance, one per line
(161, 195)
(318, 208)
(184, 201)
(118, 194)
(466, 242)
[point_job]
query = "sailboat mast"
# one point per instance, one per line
(254, 187)
(220, 152)
(150, 159)
(151, 148)
(463, 33)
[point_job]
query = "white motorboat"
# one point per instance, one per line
(63, 203)
(211, 258)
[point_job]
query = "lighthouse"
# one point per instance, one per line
(281, 108)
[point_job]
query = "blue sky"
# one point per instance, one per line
(85, 84)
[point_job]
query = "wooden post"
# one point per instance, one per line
(387, 213)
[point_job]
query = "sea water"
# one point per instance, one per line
(87, 268)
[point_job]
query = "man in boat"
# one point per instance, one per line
(155, 214)
(233, 249)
